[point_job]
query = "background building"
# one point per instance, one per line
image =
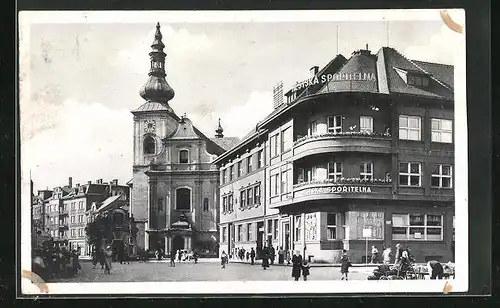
(174, 186)
(362, 148)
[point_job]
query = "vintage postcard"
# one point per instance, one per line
(243, 152)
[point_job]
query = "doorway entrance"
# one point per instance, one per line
(260, 238)
(177, 243)
(286, 236)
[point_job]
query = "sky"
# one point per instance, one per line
(84, 78)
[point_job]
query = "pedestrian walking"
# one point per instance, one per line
(94, 259)
(172, 259)
(281, 256)
(108, 254)
(296, 265)
(252, 256)
(305, 269)
(195, 257)
(265, 257)
(345, 263)
(272, 254)
(178, 255)
(223, 259)
(387, 255)
(374, 254)
(397, 256)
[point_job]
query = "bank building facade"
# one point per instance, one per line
(363, 152)
(174, 195)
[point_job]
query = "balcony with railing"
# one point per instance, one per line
(351, 141)
(342, 188)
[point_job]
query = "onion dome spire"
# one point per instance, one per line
(219, 131)
(156, 88)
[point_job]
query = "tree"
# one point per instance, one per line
(98, 229)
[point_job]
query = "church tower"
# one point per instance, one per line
(174, 198)
(154, 121)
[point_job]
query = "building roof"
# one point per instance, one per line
(226, 142)
(384, 66)
(108, 203)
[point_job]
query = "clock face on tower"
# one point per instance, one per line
(149, 126)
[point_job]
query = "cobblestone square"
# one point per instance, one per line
(203, 271)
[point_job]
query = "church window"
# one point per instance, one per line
(160, 204)
(205, 204)
(183, 157)
(183, 199)
(149, 145)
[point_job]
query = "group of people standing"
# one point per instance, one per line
(52, 261)
(105, 257)
(179, 255)
(387, 257)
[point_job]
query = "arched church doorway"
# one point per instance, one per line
(177, 243)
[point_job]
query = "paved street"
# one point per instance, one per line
(152, 271)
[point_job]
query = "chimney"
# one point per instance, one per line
(314, 71)
(99, 181)
(278, 95)
(77, 184)
(89, 182)
(115, 182)
(70, 182)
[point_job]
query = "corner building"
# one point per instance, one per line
(174, 186)
(362, 148)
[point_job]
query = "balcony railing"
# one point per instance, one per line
(373, 135)
(345, 181)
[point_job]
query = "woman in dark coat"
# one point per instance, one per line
(345, 263)
(296, 265)
(265, 258)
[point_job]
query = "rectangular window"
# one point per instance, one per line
(366, 171)
(274, 145)
(366, 124)
(274, 185)
(441, 176)
(260, 162)
(243, 201)
(224, 235)
(205, 205)
(240, 233)
(284, 182)
(311, 174)
(453, 227)
(224, 176)
(249, 232)
(256, 194)
(240, 169)
(73, 206)
(249, 164)
(275, 226)
(331, 226)
(183, 156)
(427, 227)
(410, 174)
(286, 139)
(300, 175)
(270, 227)
(72, 219)
(334, 171)
(297, 228)
(334, 124)
(73, 233)
(250, 196)
(160, 204)
(80, 218)
(409, 127)
(442, 130)
(224, 204)
(312, 128)
(230, 201)
(231, 173)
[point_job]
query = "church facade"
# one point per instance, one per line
(174, 196)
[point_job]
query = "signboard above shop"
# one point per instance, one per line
(333, 190)
(322, 79)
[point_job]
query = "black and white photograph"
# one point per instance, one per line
(243, 152)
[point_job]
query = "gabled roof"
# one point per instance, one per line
(226, 142)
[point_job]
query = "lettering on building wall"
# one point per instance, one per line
(311, 227)
(359, 76)
(333, 190)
